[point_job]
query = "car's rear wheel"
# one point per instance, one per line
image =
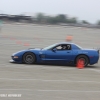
(82, 59)
(29, 58)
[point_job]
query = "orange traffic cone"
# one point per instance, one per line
(69, 38)
(18, 42)
(80, 64)
(26, 44)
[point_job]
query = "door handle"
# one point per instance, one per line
(68, 52)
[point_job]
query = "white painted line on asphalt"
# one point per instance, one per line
(13, 79)
(9, 65)
(18, 66)
(16, 89)
(12, 72)
(70, 81)
(50, 90)
(65, 91)
(35, 66)
(44, 80)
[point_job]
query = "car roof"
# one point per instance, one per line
(65, 43)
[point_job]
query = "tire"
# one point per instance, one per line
(29, 58)
(84, 59)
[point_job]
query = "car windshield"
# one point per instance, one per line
(49, 47)
(79, 46)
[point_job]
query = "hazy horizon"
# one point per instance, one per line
(83, 10)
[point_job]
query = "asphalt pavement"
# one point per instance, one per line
(46, 82)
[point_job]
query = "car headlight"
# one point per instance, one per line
(15, 57)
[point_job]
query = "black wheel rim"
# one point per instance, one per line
(29, 59)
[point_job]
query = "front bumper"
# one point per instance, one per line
(12, 61)
(15, 59)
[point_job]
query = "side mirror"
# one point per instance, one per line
(54, 49)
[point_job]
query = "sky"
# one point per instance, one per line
(82, 9)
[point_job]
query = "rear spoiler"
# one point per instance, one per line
(98, 50)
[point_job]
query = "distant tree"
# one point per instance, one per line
(61, 18)
(40, 17)
(98, 22)
(85, 22)
(72, 20)
(50, 20)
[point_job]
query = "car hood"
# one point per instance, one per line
(30, 49)
(38, 49)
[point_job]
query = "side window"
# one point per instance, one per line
(64, 47)
(59, 47)
(68, 47)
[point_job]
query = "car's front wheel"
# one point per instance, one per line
(84, 59)
(29, 58)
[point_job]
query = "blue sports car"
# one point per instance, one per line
(59, 53)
